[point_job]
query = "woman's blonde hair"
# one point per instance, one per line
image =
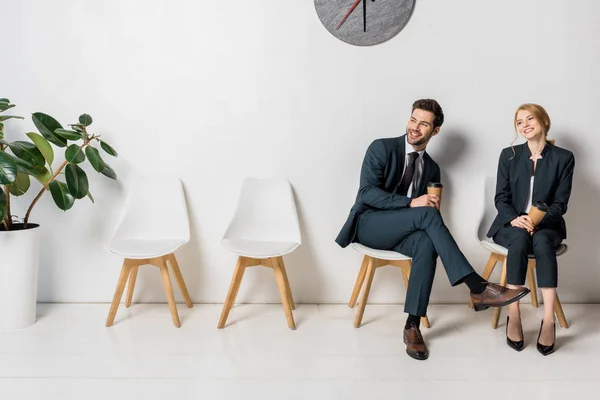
(540, 114)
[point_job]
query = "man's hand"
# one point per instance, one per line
(523, 222)
(427, 200)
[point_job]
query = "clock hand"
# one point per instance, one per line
(347, 14)
(365, 15)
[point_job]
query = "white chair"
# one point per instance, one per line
(264, 228)
(373, 259)
(498, 254)
(153, 226)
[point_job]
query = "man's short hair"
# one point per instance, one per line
(431, 106)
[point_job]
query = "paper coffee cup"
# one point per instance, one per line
(537, 212)
(435, 188)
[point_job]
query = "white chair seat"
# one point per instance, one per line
(381, 254)
(490, 245)
(494, 247)
(259, 248)
(144, 248)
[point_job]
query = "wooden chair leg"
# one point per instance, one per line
(359, 282)
(132, 279)
(287, 283)
(406, 276)
(560, 314)
(498, 310)
(283, 292)
(164, 271)
(370, 273)
(179, 278)
(234, 287)
(489, 267)
(119, 292)
(532, 284)
(425, 321)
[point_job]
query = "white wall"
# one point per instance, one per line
(215, 91)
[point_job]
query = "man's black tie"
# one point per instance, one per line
(409, 173)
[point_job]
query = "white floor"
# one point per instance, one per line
(69, 354)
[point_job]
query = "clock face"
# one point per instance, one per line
(364, 22)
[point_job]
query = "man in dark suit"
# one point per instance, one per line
(394, 212)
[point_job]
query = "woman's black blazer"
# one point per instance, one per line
(552, 185)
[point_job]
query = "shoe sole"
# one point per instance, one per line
(481, 307)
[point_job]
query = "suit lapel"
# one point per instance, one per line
(523, 177)
(401, 158)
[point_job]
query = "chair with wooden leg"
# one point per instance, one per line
(153, 226)
(372, 260)
(498, 254)
(264, 228)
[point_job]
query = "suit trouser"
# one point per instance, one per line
(419, 233)
(520, 244)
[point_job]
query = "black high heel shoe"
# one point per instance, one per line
(515, 344)
(545, 350)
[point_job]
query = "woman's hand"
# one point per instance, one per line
(524, 222)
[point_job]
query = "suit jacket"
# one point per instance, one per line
(552, 185)
(380, 175)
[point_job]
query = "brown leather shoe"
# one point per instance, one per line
(415, 346)
(495, 295)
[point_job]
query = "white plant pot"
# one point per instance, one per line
(19, 260)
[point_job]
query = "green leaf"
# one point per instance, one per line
(47, 125)
(4, 100)
(89, 195)
(21, 185)
(77, 127)
(43, 145)
(109, 172)
(60, 193)
(41, 174)
(28, 152)
(74, 154)
(68, 134)
(5, 117)
(85, 119)
(5, 106)
(94, 158)
(77, 181)
(8, 169)
(108, 149)
(2, 205)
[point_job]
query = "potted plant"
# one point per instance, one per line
(20, 161)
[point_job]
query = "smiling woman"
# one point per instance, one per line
(375, 22)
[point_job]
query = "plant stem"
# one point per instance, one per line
(85, 143)
(7, 218)
(7, 221)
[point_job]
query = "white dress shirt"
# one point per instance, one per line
(530, 196)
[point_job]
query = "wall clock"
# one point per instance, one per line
(364, 22)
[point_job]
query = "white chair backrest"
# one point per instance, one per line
(266, 211)
(489, 208)
(155, 209)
